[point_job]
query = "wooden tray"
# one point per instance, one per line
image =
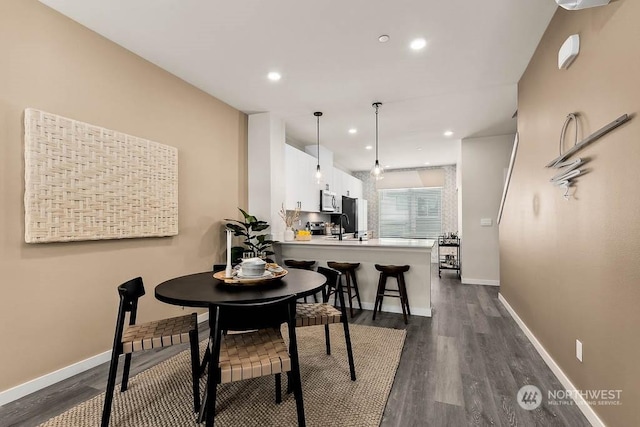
(236, 281)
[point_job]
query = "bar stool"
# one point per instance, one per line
(396, 271)
(303, 265)
(348, 269)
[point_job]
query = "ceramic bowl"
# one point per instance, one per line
(253, 267)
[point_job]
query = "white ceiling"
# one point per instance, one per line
(330, 59)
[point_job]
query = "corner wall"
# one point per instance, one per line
(59, 301)
(570, 268)
(484, 161)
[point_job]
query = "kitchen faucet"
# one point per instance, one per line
(342, 215)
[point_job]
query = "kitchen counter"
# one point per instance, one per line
(413, 252)
(378, 243)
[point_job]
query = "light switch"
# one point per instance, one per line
(486, 222)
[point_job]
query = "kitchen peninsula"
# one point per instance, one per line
(413, 252)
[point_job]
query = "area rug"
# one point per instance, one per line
(161, 396)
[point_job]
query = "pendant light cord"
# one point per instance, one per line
(318, 114)
(376, 131)
(318, 137)
(376, 105)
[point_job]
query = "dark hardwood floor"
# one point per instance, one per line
(461, 367)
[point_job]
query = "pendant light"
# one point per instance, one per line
(377, 172)
(318, 114)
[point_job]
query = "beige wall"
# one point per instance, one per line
(58, 301)
(482, 171)
(570, 268)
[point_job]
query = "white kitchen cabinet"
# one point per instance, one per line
(351, 186)
(291, 178)
(326, 164)
(302, 190)
(344, 184)
(310, 194)
(354, 189)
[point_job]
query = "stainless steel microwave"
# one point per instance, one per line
(328, 201)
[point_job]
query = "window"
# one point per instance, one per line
(411, 213)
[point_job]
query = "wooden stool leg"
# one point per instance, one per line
(402, 299)
(404, 291)
(348, 280)
(379, 293)
(355, 287)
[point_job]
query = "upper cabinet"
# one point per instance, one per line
(353, 187)
(326, 164)
(346, 185)
(302, 190)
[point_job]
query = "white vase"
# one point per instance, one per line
(288, 235)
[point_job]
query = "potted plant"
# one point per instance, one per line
(258, 244)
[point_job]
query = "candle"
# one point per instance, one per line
(227, 272)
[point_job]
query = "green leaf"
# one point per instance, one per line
(260, 227)
(249, 218)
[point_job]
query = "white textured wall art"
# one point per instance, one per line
(84, 182)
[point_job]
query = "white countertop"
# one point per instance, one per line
(372, 243)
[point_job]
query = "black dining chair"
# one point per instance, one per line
(261, 352)
(325, 314)
(147, 336)
(303, 265)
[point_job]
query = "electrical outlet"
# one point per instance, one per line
(486, 222)
(579, 350)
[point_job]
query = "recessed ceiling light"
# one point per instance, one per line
(387, 166)
(448, 133)
(274, 76)
(418, 44)
(427, 163)
(353, 130)
(368, 147)
(383, 38)
(419, 148)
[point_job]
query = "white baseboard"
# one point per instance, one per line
(586, 409)
(485, 282)
(39, 383)
(61, 374)
(424, 312)
(203, 317)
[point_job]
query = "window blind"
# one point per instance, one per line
(410, 213)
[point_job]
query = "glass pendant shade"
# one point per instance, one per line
(318, 174)
(377, 172)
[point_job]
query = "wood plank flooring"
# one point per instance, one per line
(462, 367)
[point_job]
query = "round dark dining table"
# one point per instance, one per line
(203, 290)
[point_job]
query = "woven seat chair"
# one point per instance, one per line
(302, 265)
(325, 314)
(147, 336)
(252, 354)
